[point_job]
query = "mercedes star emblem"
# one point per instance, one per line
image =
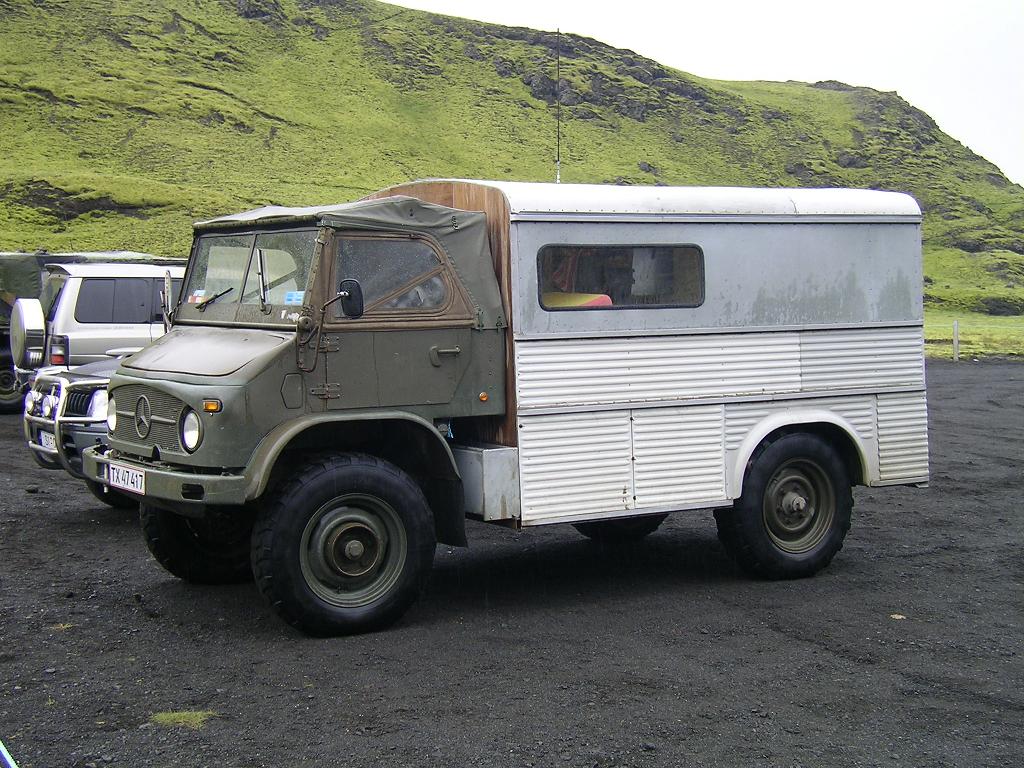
(143, 417)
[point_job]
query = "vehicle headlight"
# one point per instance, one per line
(30, 401)
(98, 404)
(111, 414)
(49, 406)
(191, 431)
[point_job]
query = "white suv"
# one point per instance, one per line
(89, 312)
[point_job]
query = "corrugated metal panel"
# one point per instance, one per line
(740, 418)
(678, 455)
(878, 358)
(575, 464)
(583, 372)
(902, 436)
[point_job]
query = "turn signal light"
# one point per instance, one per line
(212, 406)
(484, 397)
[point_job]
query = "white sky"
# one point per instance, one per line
(961, 62)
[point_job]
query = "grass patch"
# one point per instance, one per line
(194, 719)
(124, 124)
(980, 335)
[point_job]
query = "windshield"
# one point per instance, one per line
(224, 281)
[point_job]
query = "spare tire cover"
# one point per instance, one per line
(26, 318)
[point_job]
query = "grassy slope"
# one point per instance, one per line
(124, 121)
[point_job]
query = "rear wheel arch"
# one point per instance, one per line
(837, 433)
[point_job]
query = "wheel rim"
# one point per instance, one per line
(799, 506)
(353, 550)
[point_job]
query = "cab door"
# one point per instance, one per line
(411, 347)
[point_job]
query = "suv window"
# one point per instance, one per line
(115, 300)
(158, 286)
(52, 287)
(574, 277)
(395, 273)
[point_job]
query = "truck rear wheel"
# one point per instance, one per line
(623, 529)
(794, 512)
(344, 546)
(210, 550)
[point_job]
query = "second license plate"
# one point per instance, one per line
(48, 441)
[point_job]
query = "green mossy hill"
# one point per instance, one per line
(123, 122)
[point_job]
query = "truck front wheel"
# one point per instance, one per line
(794, 512)
(211, 550)
(344, 546)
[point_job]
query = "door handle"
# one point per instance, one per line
(436, 352)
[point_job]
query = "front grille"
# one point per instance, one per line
(165, 413)
(77, 403)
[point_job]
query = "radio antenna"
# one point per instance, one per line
(558, 106)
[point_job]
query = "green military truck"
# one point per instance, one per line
(344, 385)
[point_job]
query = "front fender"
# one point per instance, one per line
(277, 440)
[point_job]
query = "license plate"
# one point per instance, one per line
(126, 478)
(48, 441)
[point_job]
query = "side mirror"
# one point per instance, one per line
(350, 292)
(165, 300)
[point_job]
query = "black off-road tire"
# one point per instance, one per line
(343, 546)
(794, 512)
(112, 498)
(624, 529)
(211, 550)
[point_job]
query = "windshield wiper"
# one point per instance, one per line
(202, 304)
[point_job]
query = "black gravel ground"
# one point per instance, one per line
(540, 648)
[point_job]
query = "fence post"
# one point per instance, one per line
(956, 341)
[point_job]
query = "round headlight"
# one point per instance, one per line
(111, 415)
(98, 404)
(191, 431)
(49, 405)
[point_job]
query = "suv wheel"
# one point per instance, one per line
(11, 399)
